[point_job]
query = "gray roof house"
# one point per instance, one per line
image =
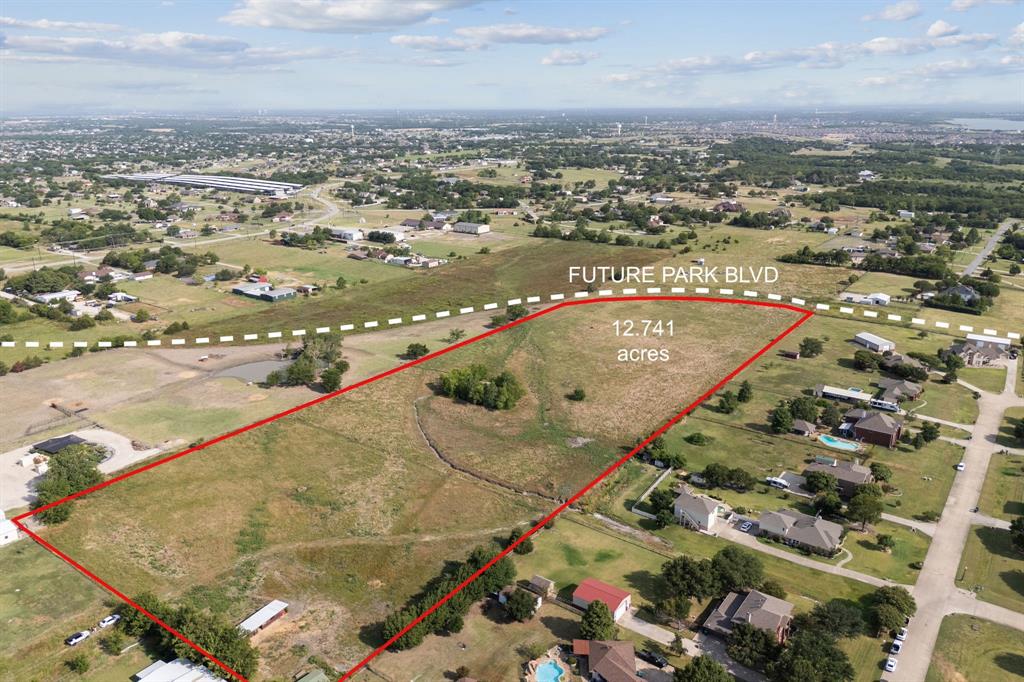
(848, 474)
(898, 390)
(761, 610)
(697, 511)
(812, 533)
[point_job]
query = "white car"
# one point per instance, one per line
(901, 636)
(747, 525)
(77, 638)
(109, 620)
(896, 648)
(961, 466)
(890, 665)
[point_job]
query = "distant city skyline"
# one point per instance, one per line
(292, 55)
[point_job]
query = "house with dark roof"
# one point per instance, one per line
(966, 294)
(760, 610)
(698, 512)
(728, 206)
(606, 660)
(793, 528)
(878, 429)
(849, 475)
(975, 354)
(898, 390)
(803, 427)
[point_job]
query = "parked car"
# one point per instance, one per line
(77, 638)
(901, 636)
(961, 466)
(896, 647)
(747, 525)
(110, 620)
(655, 659)
(890, 665)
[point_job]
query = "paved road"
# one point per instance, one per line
(936, 592)
(988, 248)
(919, 526)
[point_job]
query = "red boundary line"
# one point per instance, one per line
(805, 315)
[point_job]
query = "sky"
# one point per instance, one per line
(108, 56)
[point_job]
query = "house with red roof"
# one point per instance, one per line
(591, 589)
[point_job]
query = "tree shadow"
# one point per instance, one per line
(565, 629)
(997, 541)
(1011, 663)
(1014, 580)
(1013, 507)
(647, 584)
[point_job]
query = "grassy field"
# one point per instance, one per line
(1011, 418)
(991, 379)
(993, 568)
(356, 512)
(976, 650)
(1003, 494)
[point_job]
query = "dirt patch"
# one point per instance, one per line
(578, 441)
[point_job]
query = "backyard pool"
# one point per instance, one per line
(839, 443)
(549, 671)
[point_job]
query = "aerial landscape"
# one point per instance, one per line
(463, 340)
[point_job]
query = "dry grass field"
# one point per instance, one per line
(343, 511)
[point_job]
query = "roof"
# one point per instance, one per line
(756, 608)
(812, 531)
(179, 670)
(696, 506)
(591, 589)
(847, 393)
(541, 582)
(614, 661)
(804, 425)
(878, 423)
(873, 338)
(899, 388)
(314, 676)
(55, 445)
(263, 616)
(986, 338)
(843, 470)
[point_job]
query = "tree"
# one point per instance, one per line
(864, 508)
(416, 350)
(690, 577)
(881, 472)
(524, 547)
(114, 642)
(773, 588)
(521, 605)
(746, 392)
(142, 315)
(301, 372)
(820, 482)
(341, 282)
(886, 542)
(597, 622)
(71, 470)
(662, 499)
(753, 647)
(811, 347)
(330, 379)
(79, 663)
(887, 618)
(865, 360)
(1017, 533)
(828, 504)
(455, 335)
(929, 431)
(898, 598)
(664, 518)
(577, 395)
(804, 407)
(737, 569)
(675, 607)
(728, 402)
(841, 617)
(702, 669)
(830, 415)
(811, 656)
(781, 419)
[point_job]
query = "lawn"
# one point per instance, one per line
(869, 558)
(1003, 494)
(991, 379)
(978, 650)
(1011, 418)
(993, 568)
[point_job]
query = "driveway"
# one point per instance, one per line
(988, 248)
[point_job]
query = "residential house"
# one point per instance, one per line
(760, 610)
(905, 215)
(878, 429)
(728, 206)
(898, 390)
(606, 660)
(698, 512)
(348, 234)
(278, 294)
(57, 296)
(848, 474)
(811, 533)
(966, 294)
(803, 427)
(591, 589)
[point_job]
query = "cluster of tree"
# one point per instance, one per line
(17, 240)
(318, 236)
(806, 255)
(929, 266)
(731, 569)
(45, 280)
(212, 632)
(381, 237)
(71, 470)
(169, 259)
(512, 313)
(448, 618)
(807, 408)
(82, 235)
(717, 475)
(280, 207)
(318, 359)
(657, 451)
(761, 220)
(473, 384)
(992, 204)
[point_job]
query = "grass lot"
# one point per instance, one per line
(1003, 494)
(894, 565)
(359, 513)
(993, 568)
(27, 257)
(42, 601)
(977, 650)
(991, 379)
(1011, 418)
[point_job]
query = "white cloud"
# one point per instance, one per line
(942, 28)
(168, 49)
(964, 5)
(48, 25)
(338, 16)
(1017, 36)
(528, 33)
(900, 11)
(435, 43)
(567, 58)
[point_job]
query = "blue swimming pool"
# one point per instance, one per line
(549, 671)
(839, 443)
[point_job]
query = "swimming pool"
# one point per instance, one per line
(549, 671)
(839, 443)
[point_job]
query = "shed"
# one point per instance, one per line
(873, 342)
(264, 617)
(591, 589)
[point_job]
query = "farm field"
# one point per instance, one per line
(991, 567)
(977, 650)
(353, 512)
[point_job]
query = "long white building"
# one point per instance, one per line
(224, 182)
